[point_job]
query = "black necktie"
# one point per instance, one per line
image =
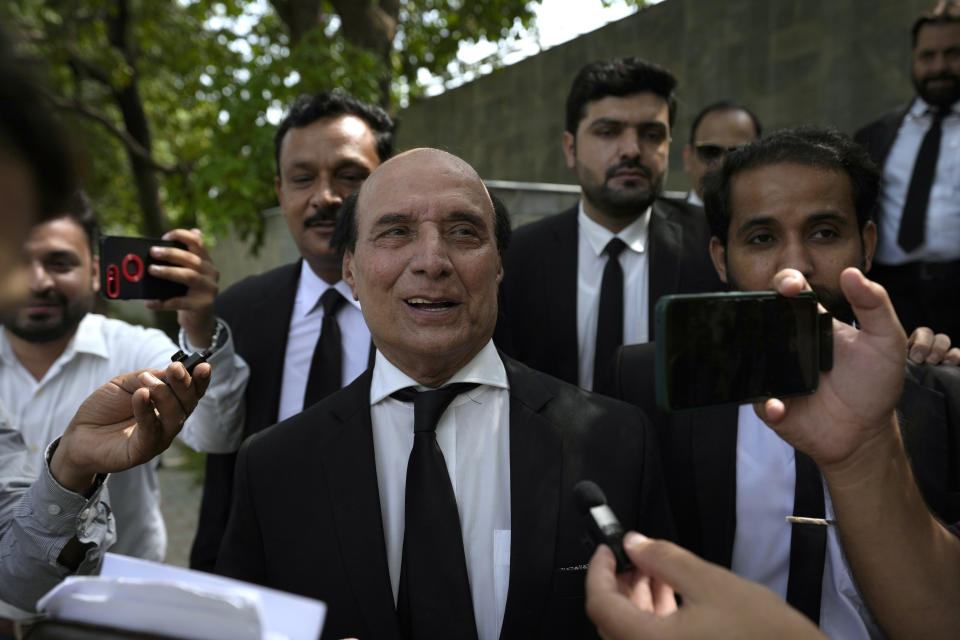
(610, 320)
(326, 375)
(808, 542)
(434, 600)
(914, 219)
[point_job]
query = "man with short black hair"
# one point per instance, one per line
(918, 253)
(797, 199)
(297, 326)
(720, 127)
(579, 284)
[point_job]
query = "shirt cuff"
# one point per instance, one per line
(221, 333)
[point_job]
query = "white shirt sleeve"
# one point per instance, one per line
(216, 425)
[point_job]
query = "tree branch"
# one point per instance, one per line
(125, 138)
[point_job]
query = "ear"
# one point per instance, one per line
(718, 253)
(95, 273)
(277, 189)
(499, 270)
(569, 143)
(868, 238)
(687, 157)
(346, 272)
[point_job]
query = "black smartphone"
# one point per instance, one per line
(733, 348)
(124, 270)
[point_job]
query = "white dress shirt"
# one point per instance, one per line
(474, 436)
(942, 239)
(305, 323)
(591, 260)
(694, 199)
(100, 349)
(766, 481)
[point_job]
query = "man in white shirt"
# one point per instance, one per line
(720, 127)
(918, 149)
(580, 283)
(323, 504)
(54, 352)
(56, 523)
(325, 148)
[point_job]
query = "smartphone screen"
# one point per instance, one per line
(124, 269)
(733, 348)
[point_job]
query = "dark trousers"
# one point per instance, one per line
(924, 294)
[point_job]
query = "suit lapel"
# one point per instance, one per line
(350, 472)
(271, 317)
(714, 437)
(535, 477)
(560, 286)
(666, 240)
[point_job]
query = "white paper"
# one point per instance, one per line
(283, 616)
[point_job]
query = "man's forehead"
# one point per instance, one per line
(768, 190)
(422, 174)
(722, 125)
(342, 134)
(63, 232)
(633, 108)
(935, 35)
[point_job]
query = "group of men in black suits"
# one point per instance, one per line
(424, 250)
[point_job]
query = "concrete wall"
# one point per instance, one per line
(836, 62)
(839, 62)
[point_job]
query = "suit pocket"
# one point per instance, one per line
(568, 582)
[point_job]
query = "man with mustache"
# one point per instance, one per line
(298, 326)
(579, 284)
(918, 253)
(796, 199)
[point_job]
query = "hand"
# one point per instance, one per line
(924, 346)
(126, 422)
(194, 269)
(716, 603)
(855, 401)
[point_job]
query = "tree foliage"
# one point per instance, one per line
(176, 101)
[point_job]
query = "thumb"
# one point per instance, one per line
(673, 565)
(871, 305)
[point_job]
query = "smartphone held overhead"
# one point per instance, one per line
(125, 269)
(733, 348)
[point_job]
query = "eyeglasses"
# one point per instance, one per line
(712, 152)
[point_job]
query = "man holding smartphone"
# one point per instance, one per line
(54, 352)
(52, 519)
(800, 199)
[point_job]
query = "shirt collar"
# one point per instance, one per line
(921, 108)
(311, 286)
(486, 368)
(693, 198)
(634, 235)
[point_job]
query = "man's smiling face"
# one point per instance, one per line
(426, 266)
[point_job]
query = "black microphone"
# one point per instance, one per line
(603, 524)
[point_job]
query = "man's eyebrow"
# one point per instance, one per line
(60, 254)
(466, 216)
(826, 216)
(607, 121)
(391, 218)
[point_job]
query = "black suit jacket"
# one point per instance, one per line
(306, 512)
(699, 449)
(258, 310)
(878, 136)
(538, 296)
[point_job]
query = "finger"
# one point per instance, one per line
(870, 304)
(674, 566)
(771, 410)
(941, 344)
(952, 356)
(179, 257)
(789, 282)
(664, 599)
(614, 615)
(191, 277)
(920, 343)
(192, 239)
